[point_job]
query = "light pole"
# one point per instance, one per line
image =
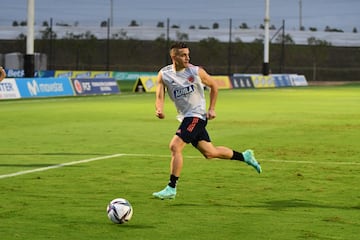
(300, 15)
(229, 49)
(29, 64)
(266, 68)
(112, 13)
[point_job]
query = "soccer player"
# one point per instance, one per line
(2, 73)
(185, 85)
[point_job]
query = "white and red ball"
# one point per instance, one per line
(119, 210)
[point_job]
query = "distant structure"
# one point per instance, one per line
(300, 15)
(266, 68)
(29, 56)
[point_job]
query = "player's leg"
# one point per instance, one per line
(210, 151)
(176, 146)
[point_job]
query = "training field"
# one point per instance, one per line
(62, 160)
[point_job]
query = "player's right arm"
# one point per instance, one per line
(160, 97)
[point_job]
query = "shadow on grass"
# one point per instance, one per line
(298, 203)
(135, 226)
(186, 204)
(274, 205)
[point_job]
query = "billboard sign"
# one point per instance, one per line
(90, 86)
(9, 89)
(44, 87)
(241, 82)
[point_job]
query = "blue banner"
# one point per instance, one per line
(89, 86)
(20, 73)
(45, 73)
(282, 80)
(44, 87)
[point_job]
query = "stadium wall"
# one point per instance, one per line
(317, 63)
(76, 83)
(148, 83)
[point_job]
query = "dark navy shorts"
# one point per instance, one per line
(192, 130)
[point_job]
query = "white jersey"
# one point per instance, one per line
(186, 91)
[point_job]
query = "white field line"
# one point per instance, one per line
(59, 166)
(152, 155)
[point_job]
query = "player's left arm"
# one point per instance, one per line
(2, 74)
(207, 80)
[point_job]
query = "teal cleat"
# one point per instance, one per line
(250, 160)
(167, 193)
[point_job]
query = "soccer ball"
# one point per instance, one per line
(119, 210)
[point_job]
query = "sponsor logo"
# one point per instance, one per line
(83, 75)
(36, 88)
(6, 87)
(102, 75)
(65, 74)
(149, 83)
(183, 91)
(82, 86)
(104, 85)
(95, 85)
(15, 73)
(191, 79)
(78, 86)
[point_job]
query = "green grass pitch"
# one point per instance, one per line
(307, 140)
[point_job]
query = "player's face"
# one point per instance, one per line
(182, 58)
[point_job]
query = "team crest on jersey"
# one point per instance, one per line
(180, 92)
(191, 79)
